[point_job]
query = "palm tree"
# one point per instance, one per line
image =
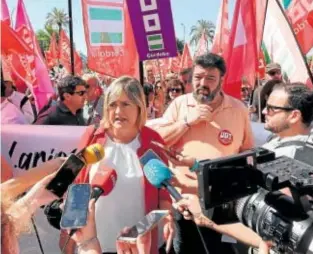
(180, 45)
(202, 26)
(58, 18)
(44, 36)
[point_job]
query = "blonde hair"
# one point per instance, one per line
(133, 90)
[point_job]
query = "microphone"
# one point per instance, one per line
(159, 175)
(103, 183)
(91, 154)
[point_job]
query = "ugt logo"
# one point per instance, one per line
(152, 24)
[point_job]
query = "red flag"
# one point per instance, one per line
(202, 46)
(110, 41)
(65, 55)
(52, 55)
(175, 63)
(300, 13)
(41, 86)
(5, 15)
(243, 52)
(221, 36)
(186, 60)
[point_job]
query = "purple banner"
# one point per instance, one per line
(153, 28)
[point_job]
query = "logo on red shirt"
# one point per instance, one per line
(225, 137)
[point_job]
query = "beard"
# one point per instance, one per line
(206, 98)
(278, 128)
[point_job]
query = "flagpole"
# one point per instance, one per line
(294, 35)
(141, 75)
(71, 36)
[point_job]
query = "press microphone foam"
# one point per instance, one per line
(157, 172)
(105, 179)
(93, 153)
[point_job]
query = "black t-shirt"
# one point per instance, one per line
(59, 114)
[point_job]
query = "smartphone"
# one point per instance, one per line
(76, 206)
(145, 225)
(66, 175)
(167, 150)
(148, 155)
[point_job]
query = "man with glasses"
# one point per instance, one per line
(288, 114)
(273, 73)
(68, 111)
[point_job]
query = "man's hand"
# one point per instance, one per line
(199, 113)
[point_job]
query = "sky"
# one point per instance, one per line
(185, 15)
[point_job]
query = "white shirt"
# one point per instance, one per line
(125, 205)
(10, 114)
(27, 110)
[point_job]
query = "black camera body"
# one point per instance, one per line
(248, 183)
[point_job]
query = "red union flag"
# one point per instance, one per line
(5, 15)
(109, 37)
(221, 36)
(186, 60)
(202, 46)
(175, 63)
(52, 55)
(299, 13)
(243, 52)
(41, 86)
(65, 55)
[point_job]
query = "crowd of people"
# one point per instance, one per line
(188, 113)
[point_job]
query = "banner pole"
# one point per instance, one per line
(141, 74)
(71, 36)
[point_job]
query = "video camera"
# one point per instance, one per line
(247, 184)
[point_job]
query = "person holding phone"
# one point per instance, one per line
(125, 138)
(15, 216)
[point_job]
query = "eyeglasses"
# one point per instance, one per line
(80, 93)
(177, 90)
(272, 108)
(272, 73)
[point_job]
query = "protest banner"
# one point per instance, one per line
(153, 28)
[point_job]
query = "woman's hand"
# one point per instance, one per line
(39, 195)
(265, 247)
(142, 245)
(169, 232)
(188, 206)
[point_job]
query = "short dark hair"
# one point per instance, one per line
(211, 60)
(147, 89)
(68, 85)
(300, 97)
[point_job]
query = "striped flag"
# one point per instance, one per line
(155, 42)
(106, 25)
(109, 38)
(282, 45)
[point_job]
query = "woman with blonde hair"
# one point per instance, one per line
(125, 138)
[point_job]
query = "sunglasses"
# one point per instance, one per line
(158, 87)
(272, 108)
(80, 93)
(272, 73)
(177, 90)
